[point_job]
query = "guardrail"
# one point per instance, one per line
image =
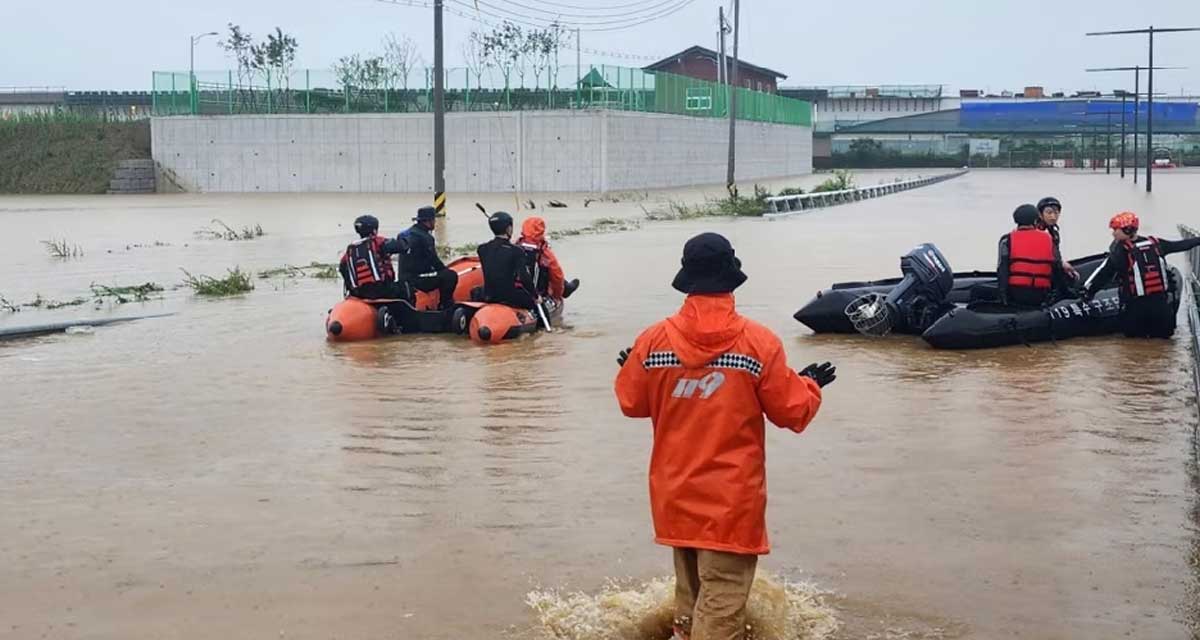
(1193, 309)
(785, 206)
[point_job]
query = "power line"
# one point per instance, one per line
(538, 23)
(475, 18)
(558, 15)
(574, 6)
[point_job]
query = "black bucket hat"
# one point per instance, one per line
(426, 213)
(709, 266)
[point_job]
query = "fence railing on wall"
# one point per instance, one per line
(1193, 310)
(491, 89)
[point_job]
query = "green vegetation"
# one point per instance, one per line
(62, 249)
(125, 295)
(237, 281)
(39, 302)
(841, 181)
(318, 270)
(65, 152)
(446, 252)
(226, 232)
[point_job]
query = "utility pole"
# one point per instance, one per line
(1149, 94)
(439, 114)
(730, 185)
(722, 65)
(578, 71)
(1137, 109)
(1150, 117)
(1124, 94)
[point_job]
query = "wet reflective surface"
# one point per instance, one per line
(226, 473)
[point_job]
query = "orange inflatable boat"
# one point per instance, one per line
(495, 323)
(355, 319)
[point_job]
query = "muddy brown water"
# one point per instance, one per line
(226, 473)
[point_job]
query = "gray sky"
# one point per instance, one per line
(996, 44)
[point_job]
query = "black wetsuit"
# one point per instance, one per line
(1146, 316)
(504, 268)
(421, 267)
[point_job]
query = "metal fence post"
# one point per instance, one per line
(229, 99)
(307, 92)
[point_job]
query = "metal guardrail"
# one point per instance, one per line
(1193, 308)
(786, 206)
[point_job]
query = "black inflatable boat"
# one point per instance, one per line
(960, 310)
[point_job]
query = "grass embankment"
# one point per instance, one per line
(66, 153)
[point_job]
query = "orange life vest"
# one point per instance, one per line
(1147, 270)
(367, 263)
(1030, 259)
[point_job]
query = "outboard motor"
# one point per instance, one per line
(914, 304)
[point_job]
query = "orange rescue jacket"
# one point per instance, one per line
(705, 377)
(533, 233)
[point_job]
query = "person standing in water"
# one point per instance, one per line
(1140, 266)
(705, 377)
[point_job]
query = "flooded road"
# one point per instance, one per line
(226, 473)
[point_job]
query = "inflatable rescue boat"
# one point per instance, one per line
(354, 319)
(960, 310)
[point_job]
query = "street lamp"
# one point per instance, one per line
(1149, 88)
(1136, 110)
(192, 69)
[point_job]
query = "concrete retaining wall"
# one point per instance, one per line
(591, 151)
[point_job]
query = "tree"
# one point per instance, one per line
(401, 58)
(503, 48)
(239, 44)
(472, 51)
(541, 49)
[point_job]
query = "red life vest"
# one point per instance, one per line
(1030, 259)
(1147, 269)
(366, 262)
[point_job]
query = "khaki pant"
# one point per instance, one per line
(711, 590)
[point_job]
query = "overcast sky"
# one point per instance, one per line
(993, 45)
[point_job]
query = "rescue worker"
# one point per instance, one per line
(1029, 264)
(1049, 211)
(705, 377)
(420, 265)
(366, 266)
(1139, 264)
(506, 276)
(547, 273)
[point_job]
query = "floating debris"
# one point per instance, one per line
(62, 249)
(237, 281)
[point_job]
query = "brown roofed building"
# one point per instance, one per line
(701, 63)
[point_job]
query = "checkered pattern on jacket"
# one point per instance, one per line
(739, 361)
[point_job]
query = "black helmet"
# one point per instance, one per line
(366, 225)
(426, 213)
(500, 222)
(1049, 201)
(1025, 215)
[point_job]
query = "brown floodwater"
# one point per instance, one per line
(224, 472)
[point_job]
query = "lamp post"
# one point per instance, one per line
(1136, 69)
(1149, 89)
(193, 103)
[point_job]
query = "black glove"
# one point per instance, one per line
(1086, 295)
(623, 356)
(823, 374)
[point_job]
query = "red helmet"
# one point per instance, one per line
(1124, 220)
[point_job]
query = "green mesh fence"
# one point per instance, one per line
(488, 89)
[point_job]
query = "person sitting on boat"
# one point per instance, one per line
(421, 266)
(1029, 264)
(1049, 210)
(366, 266)
(547, 273)
(506, 276)
(1139, 264)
